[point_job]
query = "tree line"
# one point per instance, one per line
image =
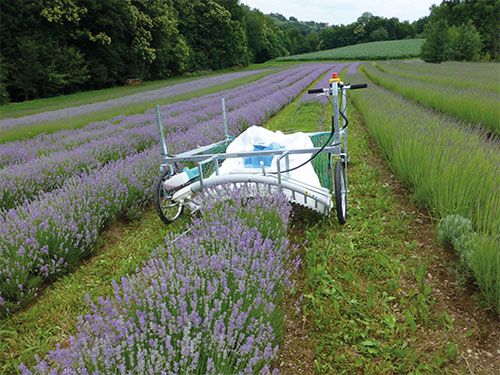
(463, 30)
(53, 47)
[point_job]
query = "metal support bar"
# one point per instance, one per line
(344, 105)
(162, 135)
(344, 111)
(224, 116)
(278, 165)
(287, 164)
(197, 158)
(336, 115)
(203, 162)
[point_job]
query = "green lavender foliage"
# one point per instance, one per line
(451, 169)
(472, 105)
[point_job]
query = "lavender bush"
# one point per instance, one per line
(353, 68)
(20, 182)
(205, 304)
(42, 238)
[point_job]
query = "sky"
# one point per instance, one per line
(336, 12)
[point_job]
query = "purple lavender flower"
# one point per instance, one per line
(171, 324)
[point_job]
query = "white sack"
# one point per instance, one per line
(259, 136)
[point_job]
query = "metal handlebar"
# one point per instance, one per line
(341, 86)
(357, 86)
(315, 91)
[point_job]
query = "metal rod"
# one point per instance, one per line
(336, 115)
(162, 136)
(287, 164)
(196, 158)
(200, 171)
(344, 111)
(216, 161)
(224, 116)
(344, 105)
(278, 165)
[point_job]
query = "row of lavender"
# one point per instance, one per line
(142, 97)
(20, 182)
(17, 152)
(207, 303)
(42, 238)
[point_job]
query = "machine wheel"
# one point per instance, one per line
(167, 209)
(340, 190)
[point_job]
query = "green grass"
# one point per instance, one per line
(450, 169)
(472, 105)
(31, 107)
(29, 131)
(53, 317)
(460, 76)
(384, 50)
(370, 309)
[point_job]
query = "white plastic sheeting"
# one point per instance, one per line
(258, 138)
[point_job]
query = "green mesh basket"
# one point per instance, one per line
(321, 163)
(209, 168)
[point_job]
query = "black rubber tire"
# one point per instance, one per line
(160, 196)
(340, 191)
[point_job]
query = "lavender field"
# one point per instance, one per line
(56, 205)
(223, 297)
(147, 96)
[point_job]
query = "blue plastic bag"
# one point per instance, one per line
(254, 161)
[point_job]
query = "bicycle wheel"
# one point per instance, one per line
(340, 192)
(167, 209)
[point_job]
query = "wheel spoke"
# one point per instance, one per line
(167, 208)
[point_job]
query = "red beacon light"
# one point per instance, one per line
(335, 77)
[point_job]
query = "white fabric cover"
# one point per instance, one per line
(258, 136)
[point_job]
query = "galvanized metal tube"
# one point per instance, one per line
(224, 116)
(162, 135)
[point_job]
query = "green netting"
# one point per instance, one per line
(209, 168)
(321, 163)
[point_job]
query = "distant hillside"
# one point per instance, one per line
(383, 50)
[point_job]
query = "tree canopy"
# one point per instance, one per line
(463, 30)
(53, 47)
(484, 15)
